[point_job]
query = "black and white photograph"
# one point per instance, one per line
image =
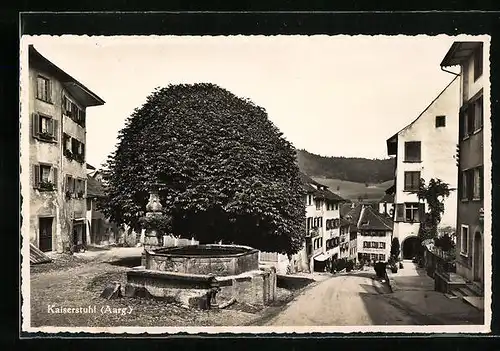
(255, 183)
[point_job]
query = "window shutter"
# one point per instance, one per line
(55, 176)
(481, 182)
(421, 212)
(470, 184)
(50, 126)
(400, 211)
(49, 90)
(36, 176)
(55, 125)
(461, 122)
(35, 122)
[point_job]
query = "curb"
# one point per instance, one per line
(390, 281)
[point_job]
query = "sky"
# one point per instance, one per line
(331, 95)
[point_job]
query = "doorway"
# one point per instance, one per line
(45, 234)
(478, 253)
(410, 247)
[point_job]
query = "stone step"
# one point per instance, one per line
(476, 288)
(457, 293)
(476, 301)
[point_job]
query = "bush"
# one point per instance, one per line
(349, 266)
(380, 268)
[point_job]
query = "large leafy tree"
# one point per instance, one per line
(434, 195)
(226, 171)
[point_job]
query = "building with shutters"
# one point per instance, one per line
(370, 233)
(100, 230)
(473, 160)
(322, 224)
(424, 149)
(57, 189)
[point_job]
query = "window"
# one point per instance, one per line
(320, 222)
(478, 114)
(472, 184)
(70, 185)
(43, 89)
(412, 151)
(464, 240)
(73, 111)
(471, 117)
(412, 181)
(374, 245)
(381, 257)
(381, 245)
(411, 212)
(77, 150)
(478, 62)
(374, 257)
(318, 204)
(309, 200)
(44, 127)
(309, 223)
(80, 188)
(476, 194)
(440, 121)
(44, 177)
(366, 244)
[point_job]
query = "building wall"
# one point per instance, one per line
(54, 204)
(385, 239)
(386, 208)
(438, 148)
(45, 204)
(472, 154)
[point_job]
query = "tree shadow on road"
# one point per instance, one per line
(127, 262)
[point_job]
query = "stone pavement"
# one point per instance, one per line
(411, 278)
(413, 290)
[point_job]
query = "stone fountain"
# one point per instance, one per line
(194, 275)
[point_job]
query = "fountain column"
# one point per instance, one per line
(154, 215)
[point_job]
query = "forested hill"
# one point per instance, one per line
(360, 170)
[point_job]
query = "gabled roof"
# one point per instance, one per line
(328, 195)
(79, 91)
(353, 215)
(387, 198)
(371, 220)
(323, 193)
(459, 52)
(391, 150)
(345, 208)
(94, 188)
(391, 189)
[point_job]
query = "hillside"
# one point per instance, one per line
(354, 191)
(357, 170)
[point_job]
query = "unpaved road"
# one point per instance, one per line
(358, 299)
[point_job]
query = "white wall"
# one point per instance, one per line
(438, 148)
(385, 239)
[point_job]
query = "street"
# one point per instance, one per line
(358, 299)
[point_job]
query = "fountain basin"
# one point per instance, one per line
(218, 260)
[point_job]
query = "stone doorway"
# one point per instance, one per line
(410, 247)
(45, 234)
